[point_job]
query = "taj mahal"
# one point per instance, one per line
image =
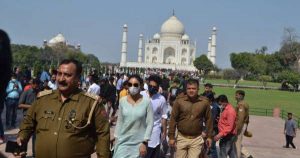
(170, 49)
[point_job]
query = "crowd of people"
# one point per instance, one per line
(153, 116)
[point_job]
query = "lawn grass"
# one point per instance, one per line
(242, 82)
(268, 99)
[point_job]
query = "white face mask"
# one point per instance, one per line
(134, 90)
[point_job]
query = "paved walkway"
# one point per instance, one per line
(267, 141)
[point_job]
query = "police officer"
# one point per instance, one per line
(188, 113)
(242, 121)
(68, 122)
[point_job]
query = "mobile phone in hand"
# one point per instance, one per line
(13, 147)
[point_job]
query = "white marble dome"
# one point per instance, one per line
(185, 37)
(156, 36)
(58, 39)
(172, 26)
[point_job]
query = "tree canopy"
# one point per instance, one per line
(203, 64)
(282, 66)
(49, 57)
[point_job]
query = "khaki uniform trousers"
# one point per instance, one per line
(239, 147)
(188, 148)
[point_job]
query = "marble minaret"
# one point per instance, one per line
(213, 45)
(124, 47)
(140, 53)
(209, 49)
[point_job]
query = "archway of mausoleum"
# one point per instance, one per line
(183, 61)
(154, 51)
(154, 59)
(169, 56)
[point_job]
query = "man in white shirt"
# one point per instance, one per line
(160, 107)
(52, 83)
(94, 88)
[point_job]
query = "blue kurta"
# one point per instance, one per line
(134, 125)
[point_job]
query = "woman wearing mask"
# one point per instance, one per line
(135, 122)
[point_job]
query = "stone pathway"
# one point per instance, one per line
(267, 141)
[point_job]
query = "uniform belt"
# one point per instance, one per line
(189, 137)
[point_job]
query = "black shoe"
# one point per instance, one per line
(250, 156)
(285, 146)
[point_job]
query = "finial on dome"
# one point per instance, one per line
(173, 12)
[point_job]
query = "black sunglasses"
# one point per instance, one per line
(135, 84)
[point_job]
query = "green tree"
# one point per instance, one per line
(258, 65)
(262, 50)
(203, 64)
(49, 57)
(290, 77)
(24, 55)
(241, 62)
(231, 74)
(264, 79)
(94, 61)
(290, 49)
(274, 65)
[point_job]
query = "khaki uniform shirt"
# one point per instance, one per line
(51, 120)
(242, 110)
(188, 117)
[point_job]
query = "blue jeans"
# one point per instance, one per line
(213, 150)
(11, 111)
(227, 147)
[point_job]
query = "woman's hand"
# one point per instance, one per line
(143, 150)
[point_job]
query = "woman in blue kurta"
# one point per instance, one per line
(135, 122)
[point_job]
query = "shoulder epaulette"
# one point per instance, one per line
(44, 93)
(203, 98)
(96, 97)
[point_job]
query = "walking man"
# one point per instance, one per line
(187, 116)
(215, 112)
(159, 106)
(25, 102)
(94, 88)
(227, 129)
(13, 91)
(242, 121)
(67, 121)
(290, 129)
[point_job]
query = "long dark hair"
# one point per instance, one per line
(5, 63)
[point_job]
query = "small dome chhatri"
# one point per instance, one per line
(156, 36)
(185, 37)
(58, 39)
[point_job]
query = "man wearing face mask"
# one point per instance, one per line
(159, 106)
